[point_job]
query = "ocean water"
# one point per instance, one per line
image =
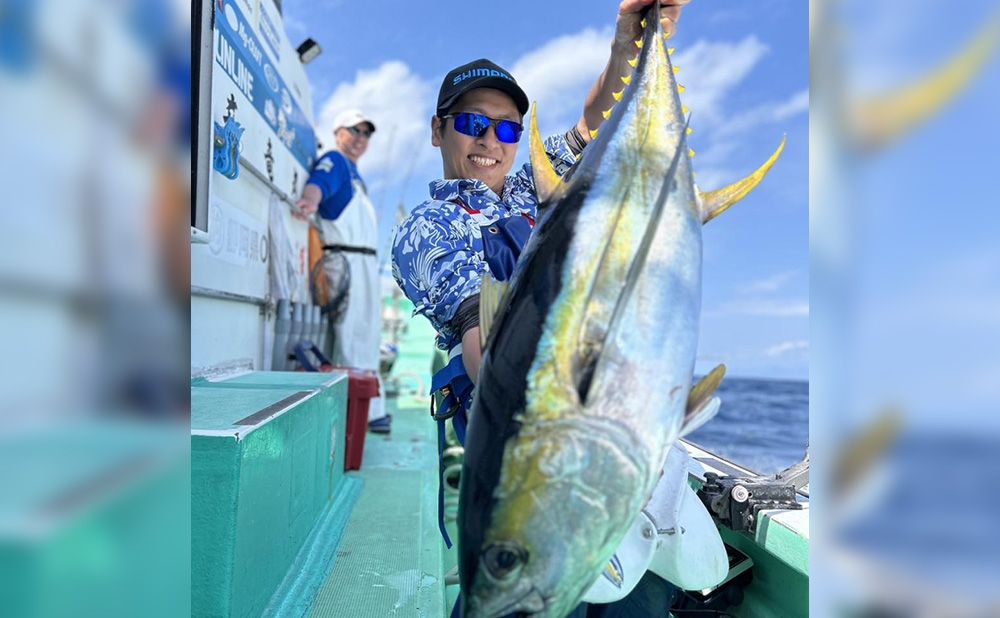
(762, 425)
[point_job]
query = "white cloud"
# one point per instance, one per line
(710, 70)
(768, 113)
(770, 308)
(786, 347)
(727, 137)
(559, 74)
(769, 284)
(798, 103)
(399, 103)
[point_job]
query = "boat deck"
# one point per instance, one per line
(391, 557)
(375, 549)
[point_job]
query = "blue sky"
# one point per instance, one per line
(745, 66)
(924, 267)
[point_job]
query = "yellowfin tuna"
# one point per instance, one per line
(587, 370)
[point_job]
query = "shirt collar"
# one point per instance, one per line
(447, 190)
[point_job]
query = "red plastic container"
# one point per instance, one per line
(362, 385)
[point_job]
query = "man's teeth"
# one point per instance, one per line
(483, 161)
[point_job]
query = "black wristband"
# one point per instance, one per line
(467, 316)
(575, 141)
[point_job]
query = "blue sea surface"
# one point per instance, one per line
(762, 425)
(934, 518)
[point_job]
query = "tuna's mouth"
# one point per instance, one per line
(530, 604)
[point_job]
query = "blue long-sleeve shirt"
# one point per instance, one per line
(333, 173)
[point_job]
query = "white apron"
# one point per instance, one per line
(357, 335)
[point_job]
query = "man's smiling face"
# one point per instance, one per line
(482, 158)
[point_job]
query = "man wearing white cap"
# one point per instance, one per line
(336, 193)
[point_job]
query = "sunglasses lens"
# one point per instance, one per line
(480, 124)
(470, 124)
(473, 125)
(508, 132)
(476, 125)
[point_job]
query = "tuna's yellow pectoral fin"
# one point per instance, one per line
(880, 120)
(492, 294)
(697, 418)
(546, 178)
(714, 203)
(705, 389)
(702, 404)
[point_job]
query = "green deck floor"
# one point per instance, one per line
(391, 559)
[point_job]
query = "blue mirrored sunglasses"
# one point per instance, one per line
(475, 125)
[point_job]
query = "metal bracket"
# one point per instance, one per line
(796, 475)
(737, 502)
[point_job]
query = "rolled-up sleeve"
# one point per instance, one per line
(435, 263)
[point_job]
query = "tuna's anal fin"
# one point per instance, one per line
(714, 203)
(491, 296)
(546, 178)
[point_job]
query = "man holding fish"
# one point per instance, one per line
(569, 381)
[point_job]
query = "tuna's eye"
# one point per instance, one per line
(502, 560)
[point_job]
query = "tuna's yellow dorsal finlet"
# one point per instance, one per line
(546, 178)
(714, 203)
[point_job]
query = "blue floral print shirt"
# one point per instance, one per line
(437, 252)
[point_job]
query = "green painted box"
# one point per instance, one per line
(267, 458)
(333, 387)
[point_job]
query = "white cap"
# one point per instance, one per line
(351, 118)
